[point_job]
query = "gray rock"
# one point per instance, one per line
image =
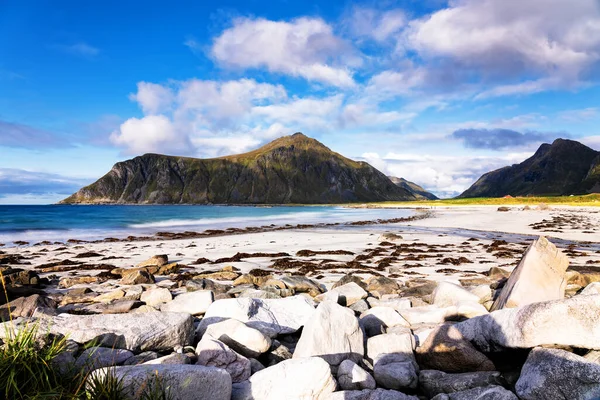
(553, 374)
(255, 366)
(396, 371)
(28, 307)
(247, 341)
(302, 378)
(183, 381)
(270, 316)
(480, 393)
(195, 303)
(175, 358)
(333, 334)
(351, 376)
(359, 307)
(99, 357)
(142, 358)
(540, 276)
(367, 394)
(434, 382)
(213, 353)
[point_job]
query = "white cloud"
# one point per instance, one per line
(304, 47)
(584, 114)
(152, 98)
(309, 112)
(591, 141)
(80, 49)
(375, 24)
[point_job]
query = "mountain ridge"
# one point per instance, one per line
(419, 192)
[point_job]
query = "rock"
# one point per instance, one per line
(168, 269)
(133, 292)
(367, 394)
(540, 276)
(194, 303)
(255, 366)
(223, 275)
(380, 285)
(390, 343)
(435, 315)
(377, 319)
(434, 382)
(480, 393)
(396, 371)
(302, 378)
(135, 332)
(155, 261)
(175, 358)
(571, 322)
(259, 294)
(350, 376)
(99, 357)
(593, 356)
(390, 237)
(27, 307)
(271, 316)
(448, 294)
(155, 297)
(553, 374)
(359, 307)
(497, 273)
(397, 303)
(214, 353)
(446, 349)
(333, 334)
(142, 358)
(67, 282)
(349, 293)
(302, 284)
(245, 340)
(483, 292)
(110, 296)
(277, 353)
(183, 381)
(136, 277)
(592, 288)
(350, 278)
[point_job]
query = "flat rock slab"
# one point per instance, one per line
(480, 393)
(367, 394)
(183, 381)
(540, 276)
(434, 382)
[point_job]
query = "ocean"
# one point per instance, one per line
(34, 223)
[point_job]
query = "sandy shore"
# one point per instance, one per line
(455, 243)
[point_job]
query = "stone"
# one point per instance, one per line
(359, 307)
(247, 341)
(168, 269)
(155, 297)
(155, 261)
(570, 322)
(270, 316)
(301, 284)
(380, 285)
(592, 288)
(553, 374)
(368, 394)
(540, 276)
(350, 278)
(376, 320)
(390, 343)
(390, 237)
(396, 371)
(133, 292)
(332, 333)
(302, 379)
(142, 358)
(479, 393)
(175, 358)
(110, 296)
(277, 353)
(195, 303)
(136, 277)
(448, 294)
(349, 293)
(183, 381)
(99, 357)
(483, 292)
(446, 349)
(67, 282)
(433, 382)
(27, 307)
(222, 275)
(351, 376)
(397, 303)
(213, 353)
(259, 294)
(255, 366)
(425, 315)
(134, 332)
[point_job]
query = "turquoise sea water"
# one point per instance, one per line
(61, 222)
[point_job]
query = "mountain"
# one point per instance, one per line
(416, 190)
(563, 168)
(291, 169)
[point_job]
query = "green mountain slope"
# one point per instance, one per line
(291, 169)
(416, 190)
(563, 168)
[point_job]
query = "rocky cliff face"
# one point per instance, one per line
(565, 167)
(291, 169)
(416, 190)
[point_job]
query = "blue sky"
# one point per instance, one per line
(437, 92)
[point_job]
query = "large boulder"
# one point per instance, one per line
(27, 307)
(99, 357)
(396, 371)
(136, 332)
(479, 393)
(247, 341)
(195, 303)
(390, 343)
(570, 322)
(182, 381)
(333, 334)
(434, 382)
(349, 293)
(301, 379)
(540, 276)
(270, 316)
(213, 353)
(369, 394)
(351, 376)
(553, 374)
(377, 320)
(449, 294)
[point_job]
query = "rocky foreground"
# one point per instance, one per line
(530, 334)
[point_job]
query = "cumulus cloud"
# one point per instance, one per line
(304, 47)
(499, 139)
(152, 98)
(149, 134)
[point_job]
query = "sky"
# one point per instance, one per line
(437, 92)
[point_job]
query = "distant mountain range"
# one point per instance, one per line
(291, 169)
(416, 190)
(564, 167)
